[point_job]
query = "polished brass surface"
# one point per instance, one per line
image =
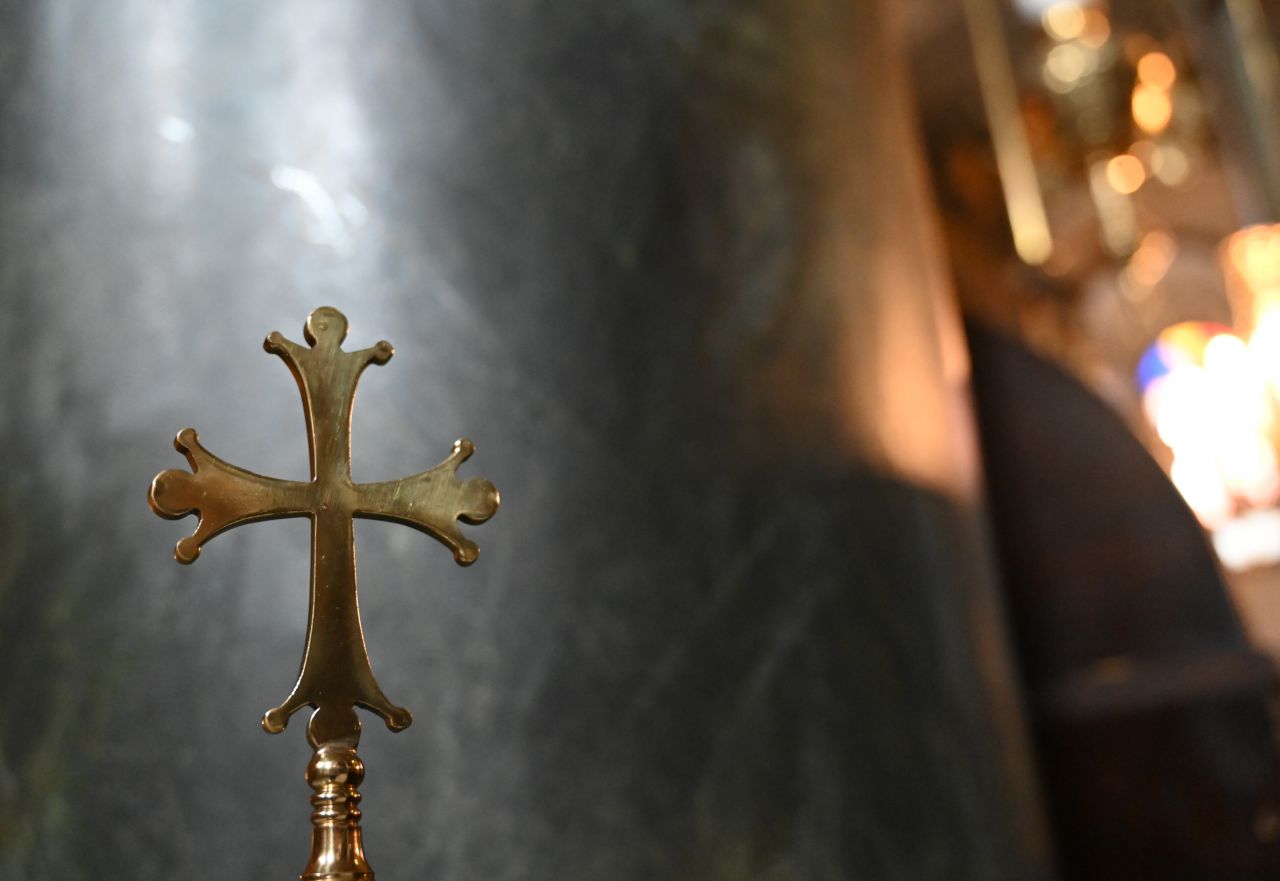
(336, 675)
(337, 846)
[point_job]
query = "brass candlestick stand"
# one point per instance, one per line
(336, 675)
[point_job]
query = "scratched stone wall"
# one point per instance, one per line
(671, 267)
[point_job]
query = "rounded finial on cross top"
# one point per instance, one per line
(325, 326)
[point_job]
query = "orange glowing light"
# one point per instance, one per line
(1152, 108)
(1125, 174)
(1206, 392)
(1255, 255)
(1097, 29)
(1156, 69)
(1152, 259)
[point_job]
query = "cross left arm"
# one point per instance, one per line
(223, 495)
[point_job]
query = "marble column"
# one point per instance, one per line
(672, 267)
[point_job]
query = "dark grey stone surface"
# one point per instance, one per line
(670, 266)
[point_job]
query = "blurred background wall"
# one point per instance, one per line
(883, 398)
(1106, 176)
(675, 268)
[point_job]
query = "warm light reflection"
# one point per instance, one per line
(1116, 215)
(1200, 485)
(1097, 29)
(1067, 63)
(1264, 348)
(1254, 255)
(1156, 69)
(1064, 21)
(1206, 393)
(1251, 259)
(1125, 174)
(1015, 161)
(1151, 261)
(1253, 539)
(1152, 108)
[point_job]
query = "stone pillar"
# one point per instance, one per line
(672, 266)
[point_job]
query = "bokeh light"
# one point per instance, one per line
(1152, 259)
(1152, 108)
(1064, 21)
(1097, 29)
(1206, 394)
(1125, 173)
(1155, 69)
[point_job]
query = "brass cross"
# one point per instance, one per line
(336, 675)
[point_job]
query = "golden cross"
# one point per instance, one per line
(336, 675)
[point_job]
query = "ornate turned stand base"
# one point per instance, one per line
(337, 846)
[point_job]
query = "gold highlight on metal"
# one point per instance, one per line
(336, 675)
(1028, 218)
